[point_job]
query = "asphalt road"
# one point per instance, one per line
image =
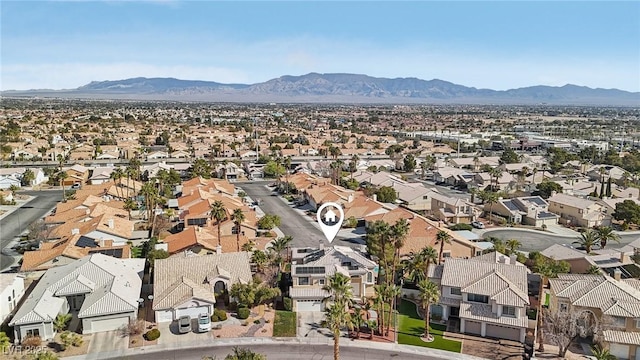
(538, 241)
(282, 352)
(303, 232)
(12, 225)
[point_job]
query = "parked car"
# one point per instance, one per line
(184, 324)
(204, 322)
(477, 224)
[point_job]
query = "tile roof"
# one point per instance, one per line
(179, 277)
(621, 337)
(307, 292)
(483, 312)
(114, 286)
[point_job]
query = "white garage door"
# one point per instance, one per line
(109, 324)
(503, 332)
(193, 312)
(309, 305)
(472, 327)
(620, 351)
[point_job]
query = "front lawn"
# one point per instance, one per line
(284, 324)
(412, 328)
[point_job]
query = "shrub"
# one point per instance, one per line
(288, 305)
(461, 227)
(62, 322)
(32, 341)
(351, 222)
(243, 313)
(218, 315)
(152, 334)
(133, 328)
(256, 321)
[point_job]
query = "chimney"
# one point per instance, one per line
(321, 245)
(513, 259)
(75, 231)
(110, 223)
(375, 197)
(624, 258)
(218, 249)
(617, 274)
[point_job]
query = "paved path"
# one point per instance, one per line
(280, 349)
(303, 229)
(16, 222)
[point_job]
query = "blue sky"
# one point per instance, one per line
(498, 45)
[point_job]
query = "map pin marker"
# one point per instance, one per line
(329, 221)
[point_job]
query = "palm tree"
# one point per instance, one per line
(219, 214)
(238, 217)
(336, 317)
(287, 166)
(442, 237)
(353, 164)
(129, 205)
(513, 245)
(587, 240)
(61, 177)
(495, 173)
(259, 258)
(491, 198)
(279, 245)
(601, 353)
(429, 294)
(248, 246)
(606, 234)
(339, 288)
(357, 321)
(594, 270)
(498, 245)
(418, 264)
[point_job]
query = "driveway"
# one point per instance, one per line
(303, 229)
(309, 325)
(170, 335)
(109, 341)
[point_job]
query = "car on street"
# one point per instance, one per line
(477, 224)
(184, 324)
(204, 322)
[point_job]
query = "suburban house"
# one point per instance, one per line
(188, 285)
(414, 196)
(578, 211)
(202, 240)
(530, 210)
(13, 176)
(229, 171)
(76, 174)
(608, 260)
(101, 175)
(100, 292)
(452, 210)
(11, 291)
(310, 274)
(614, 303)
(488, 293)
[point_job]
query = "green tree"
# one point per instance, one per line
(5, 342)
(546, 188)
(259, 258)
(253, 293)
(604, 234)
(199, 168)
(244, 354)
(353, 164)
(218, 213)
(429, 294)
(601, 353)
(45, 355)
(339, 288)
(273, 169)
(268, 222)
(61, 322)
(490, 198)
(238, 217)
(336, 318)
(513, 245)
(587, 240)
(442, 237)
(627, 211)
(608, 193)
(386, 194)
(278, 246)
(62, 176)
(409, 163)
(416, 267)
(27, 177)
(509, 157)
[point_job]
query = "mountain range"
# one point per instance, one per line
(336, 88)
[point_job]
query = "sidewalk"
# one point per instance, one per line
(19, 203)
(406, 349)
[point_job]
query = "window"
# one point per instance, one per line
(508, 311)
(564, 307)
(369, 277)
(9, 299)
(455, 291)
(303, 281)
(619, 321)
(478, 298)
(321, 282)
(425, 197)
(33, 332)
(638, 323)
(446, 254)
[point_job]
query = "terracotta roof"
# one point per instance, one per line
(205, 237)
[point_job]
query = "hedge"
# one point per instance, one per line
(243, 313)
(152, 334)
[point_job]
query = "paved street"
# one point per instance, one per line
(533, 240)
(12, 225)
(304, 232)
(284, 352)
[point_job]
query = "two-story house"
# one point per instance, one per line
(488, 293)
(530, 210)
(614, 302)
(11, 291)
(312, 273)
(578, 211)
(452, 210)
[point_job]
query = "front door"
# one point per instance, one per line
(455, 312)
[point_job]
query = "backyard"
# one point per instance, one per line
(411, 328)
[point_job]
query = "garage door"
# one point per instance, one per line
(503, 332)
(309, 305)
(472, 327)
(620, 351)
(108, 324)
(638, 352)
(193, 312)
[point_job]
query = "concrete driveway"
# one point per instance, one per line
(109, 341)
(309, 325)
(170, 335)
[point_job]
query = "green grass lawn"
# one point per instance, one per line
(412, 327)
(284, 324)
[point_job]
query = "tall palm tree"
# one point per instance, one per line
(353, 164)
(495, 173)
(238, 217)
(418, 264)
(491, 198)
(278, 246)
(287, 167)
(116, 176)
(513, 245)
(429, 294)
(442, 237)
(587, 240)
(218, 213)
(339, 288)
(61, 177)
(336, 318)
(259, 258)
(606, 234)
